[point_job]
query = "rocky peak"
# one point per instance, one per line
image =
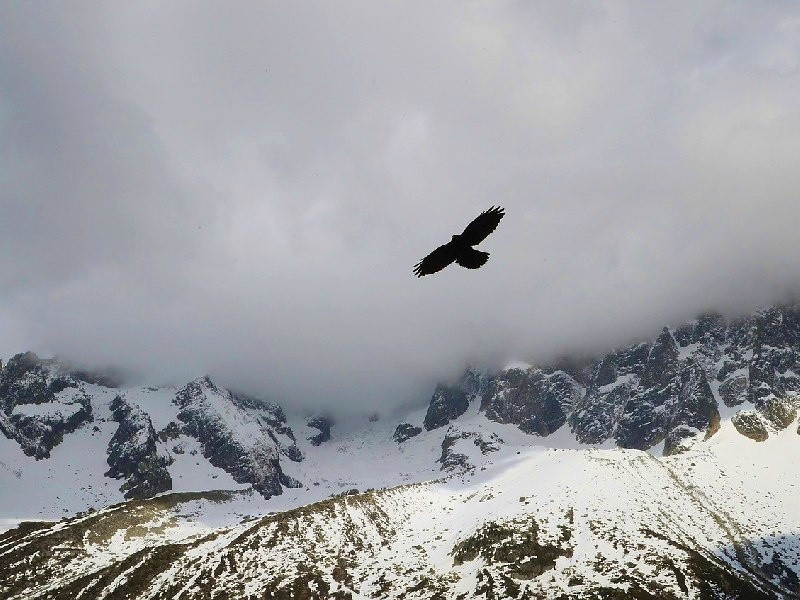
(646, 394)
(239, 435)
(405, 431)
(447, 403)
(451, 401)
(708, 327)
(27, 379)
(39, 405)
(662, 361)
(695, 409)
(195, 389)
(133, 454)
(606, 371)
(535, 400)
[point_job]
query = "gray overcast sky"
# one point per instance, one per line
(243, 189)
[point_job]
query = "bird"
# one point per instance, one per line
(460, 248)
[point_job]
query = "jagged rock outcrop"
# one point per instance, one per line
(238, 434)
(447, 403)
(750, 424)
(451, 401)
(133, 454)
(324, 424)
(780, 412)
(661, 366)
(676, 405)
(669, 391)
(535, 400)
(695, 409)
(39, 404)
(405, 431)
(606, 371)
(595, 413)
(733, 390)
(453, 460)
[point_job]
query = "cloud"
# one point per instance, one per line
(243, 189)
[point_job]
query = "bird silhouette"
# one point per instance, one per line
(460, 248)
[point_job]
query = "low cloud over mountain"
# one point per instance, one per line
(243, 190)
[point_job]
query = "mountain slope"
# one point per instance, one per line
(660, 470)
(542, 523)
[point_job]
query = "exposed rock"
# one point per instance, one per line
(133, 455)
(39, 405)
(450, 459)
(324, 425)
(662, 361)
(774, 368)
(27, 379)
(405, 431)
(238, 434)
(513, 547)
(447, 403)
(644, 394)
(595, 414)
(780, 412)
(679, 440)
(457, 461)
(606, 371)
(750, 424)
(672, 409)
(708, 327)
(695, 411)
(645, 419)
(171, 432)
(733, 390)
(534, 400)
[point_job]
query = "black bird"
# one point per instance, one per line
(460, 248)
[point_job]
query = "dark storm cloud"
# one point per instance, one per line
(244, 188)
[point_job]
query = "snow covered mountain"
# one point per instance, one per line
(662, 470)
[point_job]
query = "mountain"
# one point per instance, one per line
(666, 469)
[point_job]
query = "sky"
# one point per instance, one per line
(243, 189)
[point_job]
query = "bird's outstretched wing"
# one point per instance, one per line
(436, 260)
(484, 224)
(471, 258)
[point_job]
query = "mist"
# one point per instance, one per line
(243, 189)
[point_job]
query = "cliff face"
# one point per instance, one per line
(244, 438)
(497, 490)
(42, 403)
(39, 404)
(669, 391)
(133, 453)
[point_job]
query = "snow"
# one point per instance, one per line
(629, 378)
(607, 498)
(721, 490)
(364, 457)
(156, 402)
(48, 409)
(191, 472)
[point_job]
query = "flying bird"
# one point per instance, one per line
(460, 249)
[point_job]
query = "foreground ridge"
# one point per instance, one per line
(541, 525)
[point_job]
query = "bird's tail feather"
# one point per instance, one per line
(472, 258)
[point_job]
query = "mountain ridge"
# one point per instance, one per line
(676, 459)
